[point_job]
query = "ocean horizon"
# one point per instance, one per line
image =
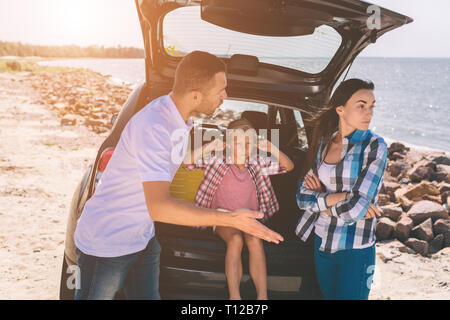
(417, 89)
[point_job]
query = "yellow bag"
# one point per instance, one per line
(185, 184)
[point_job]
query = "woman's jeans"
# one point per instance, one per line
(345, 274)
(136, 273)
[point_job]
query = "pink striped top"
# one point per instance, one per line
(237, 190)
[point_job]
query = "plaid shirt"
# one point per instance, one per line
(259, 168)
(360, 172)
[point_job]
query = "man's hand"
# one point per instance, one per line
(162, 207)
(244, 220)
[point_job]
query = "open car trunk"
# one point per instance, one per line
(304, 47)
(290, 55)
(342, 29)
(257, 76)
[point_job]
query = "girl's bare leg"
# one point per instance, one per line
(257, 265)
(233, 261)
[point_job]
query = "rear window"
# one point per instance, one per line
(230, 110)
(184, 31)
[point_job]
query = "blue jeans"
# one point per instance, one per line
(345, 274)
(137, 273)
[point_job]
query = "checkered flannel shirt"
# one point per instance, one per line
(360, 172)
(259, 168)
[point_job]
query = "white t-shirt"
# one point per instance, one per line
(115, 220)
(325, 171)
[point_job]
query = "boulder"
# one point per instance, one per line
(442, 160)
(436, 244)
(421, 189)
(419, 246)
(444, 188)
(393, 212)
(400, 192)
(403, 227)
(398, 168)
(404, 180)
(445, 196)
(422, 170)
(68, 120)
(396, 155)
(444, 170)
(423, 231)
(414, 156)
(389, 187)
(384, 228)
(446, 239)
(425, 209)
(436, 199)
(421, 173)
(405, 203)
(439, 176)
(383, 199)
(441, 226)
(397, 147)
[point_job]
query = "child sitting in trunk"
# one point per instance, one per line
(240, 181)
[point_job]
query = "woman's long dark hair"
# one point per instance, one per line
(326, 121)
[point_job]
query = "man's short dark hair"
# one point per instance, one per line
(195, 71)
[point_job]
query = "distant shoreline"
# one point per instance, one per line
(118, 79)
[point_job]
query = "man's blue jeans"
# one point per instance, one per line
(136, 273)
(345, 274)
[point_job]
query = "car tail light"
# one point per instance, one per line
(101, 166)
(104, 159)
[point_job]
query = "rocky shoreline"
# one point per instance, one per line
(43, 158)
(414, 199)
(80, 97)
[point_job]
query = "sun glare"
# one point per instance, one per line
(77, 20)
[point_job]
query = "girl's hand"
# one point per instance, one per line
(312, 182)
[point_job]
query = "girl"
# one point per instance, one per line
(340, 192)
(240, 181)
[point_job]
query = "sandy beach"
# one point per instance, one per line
(41, 163)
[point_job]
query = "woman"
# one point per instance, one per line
(242, 181)
(340, 192)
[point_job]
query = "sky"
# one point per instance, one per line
(115, 22)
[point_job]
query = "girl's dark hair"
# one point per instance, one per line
(326, 121)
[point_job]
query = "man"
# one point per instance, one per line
(115, 235)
